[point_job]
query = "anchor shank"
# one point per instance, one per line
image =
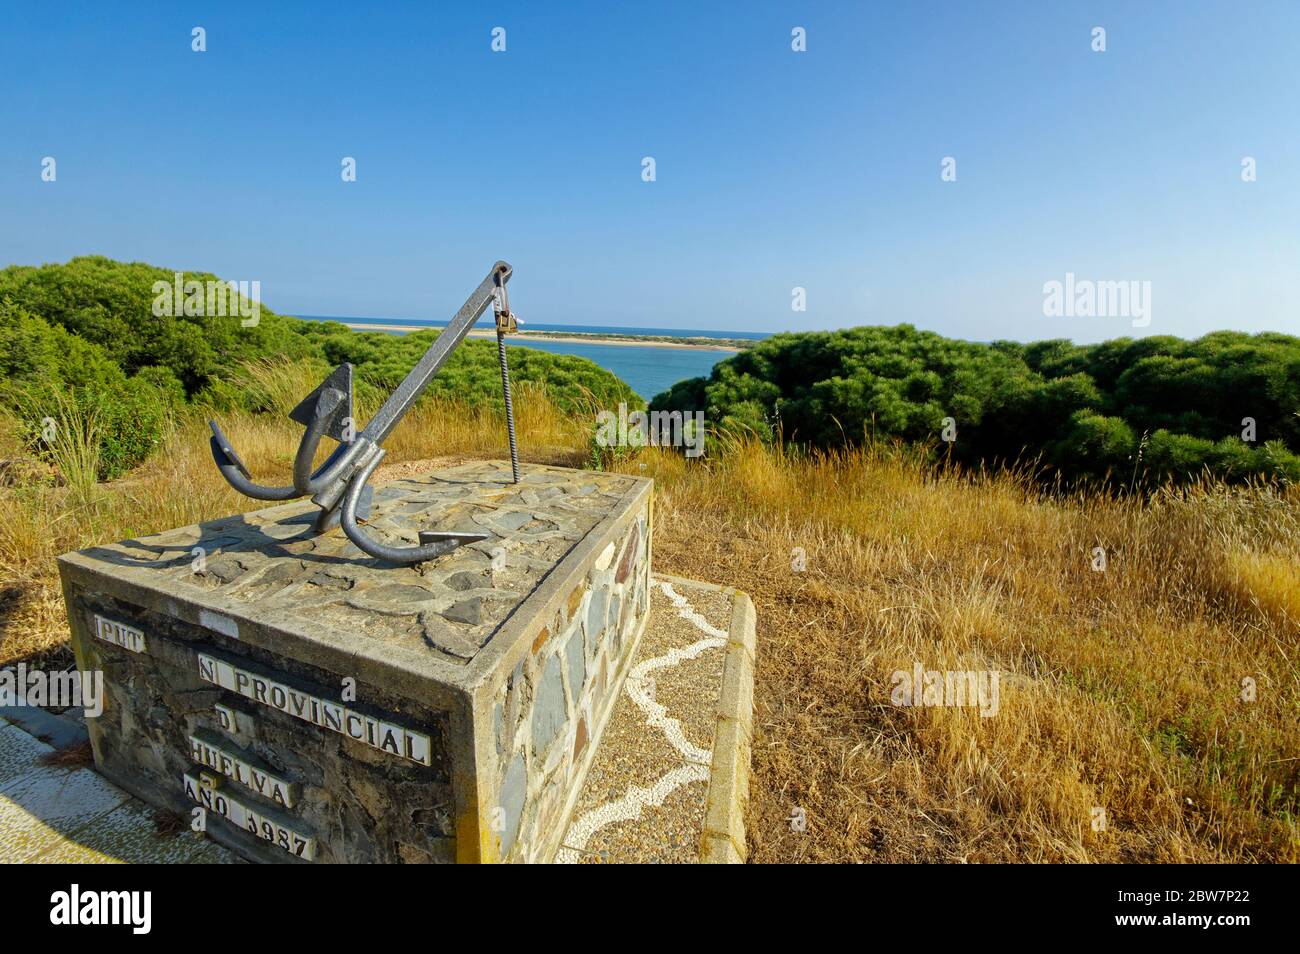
(400, 401)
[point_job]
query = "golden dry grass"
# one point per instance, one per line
(1120, 690)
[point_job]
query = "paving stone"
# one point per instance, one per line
(467, 611)
(575, 652)
(467, 580)
(43, 806)
(18, 752)
(549, 714)
(513, 521)
(58, 730)
(129, 835)
(56, 815)
(513, 790)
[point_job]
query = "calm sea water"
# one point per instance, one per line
(647, 369)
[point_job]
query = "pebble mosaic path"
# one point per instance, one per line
(645, 796)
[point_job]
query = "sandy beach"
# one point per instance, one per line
(631, 342)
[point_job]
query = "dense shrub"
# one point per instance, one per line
(110, 304)
(54, 380)
(82, 340)
(1147, 409)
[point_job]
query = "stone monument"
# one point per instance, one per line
(418, 674)
(323, 705)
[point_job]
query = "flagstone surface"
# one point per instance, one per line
(54, 814)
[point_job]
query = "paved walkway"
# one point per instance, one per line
(53, 814)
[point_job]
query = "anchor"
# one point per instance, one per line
(340, 486)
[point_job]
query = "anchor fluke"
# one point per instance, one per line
(329, 407)
(237, 475)
(436, 536)
(221, 446)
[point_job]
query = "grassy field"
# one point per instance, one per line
(1121, 689)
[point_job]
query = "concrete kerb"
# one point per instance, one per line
(723, 838)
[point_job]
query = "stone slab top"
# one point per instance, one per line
(267, 578)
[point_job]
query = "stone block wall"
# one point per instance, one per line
(548, 713)
(352, 801)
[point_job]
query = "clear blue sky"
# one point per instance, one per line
(775, 169)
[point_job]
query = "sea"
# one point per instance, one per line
(648, 369)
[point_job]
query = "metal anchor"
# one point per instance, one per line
(340, 485)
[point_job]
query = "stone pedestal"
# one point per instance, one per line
(324, 706)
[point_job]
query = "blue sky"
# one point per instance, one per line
(775, 169)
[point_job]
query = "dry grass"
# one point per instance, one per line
(77, 755)
(170, 824)
(1119, 689)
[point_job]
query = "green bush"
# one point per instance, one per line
(1152, 409)
(53, 380)
(82, 338)
(134, 420)
(110, 304)
(165, 382)
(1097, 445)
